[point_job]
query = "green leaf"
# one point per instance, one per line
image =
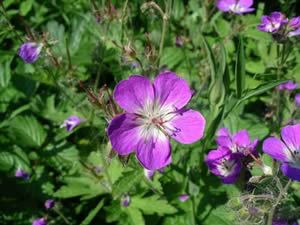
(172, 57)
(211, 60)
(135, 216)
(153, 204)
(5, 74)
(25, 7)
(93, 213)
(126, 182)
(240, 68)
(27, 131)
(9, 160)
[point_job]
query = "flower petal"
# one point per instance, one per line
(246, 3)
(291, 171)
(241, 138)
(123, 132)
(187, 126)
(134, 93)
(171, 90)
(276, 149)
(154, 153)
(291, 136)
(224, 5)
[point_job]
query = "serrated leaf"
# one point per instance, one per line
(25, 7)
(153, 204)
(8, 161)
(126, 182)
(135, 216)
(27, 131)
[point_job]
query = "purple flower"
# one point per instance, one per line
(179, 41)
(39, 221)
(149, 174)
(239, 143)
(30, 51)
(223, 163)
(272, 23)
(289, 86)
(286, 150)
(297, 100)
(71, 122)
(22, 174)
(235, 6)
(183, 197)
(294, 26)
(125, 201)
(283, 222)
(49, 204)
(154, 113)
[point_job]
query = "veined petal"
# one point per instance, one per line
(276, 149)
(241, 138)
(291, 171)
(154, 152)
(171, 90)
(291, 136)
(187, 126)
(133, 94)
(124, 133)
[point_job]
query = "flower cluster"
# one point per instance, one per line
(226, 160)
(154, 113)
(235, 6)
(279, 25)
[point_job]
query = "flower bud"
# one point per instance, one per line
(30, 51)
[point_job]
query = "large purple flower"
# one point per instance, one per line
(154, 113)
(272, 23)
(30, 51)
(238, 143)
(235, 6)
(286, 150)
(223, 163)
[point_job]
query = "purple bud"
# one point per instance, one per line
(125, 201)
(149, 174)
(179, 41)
(22, 174)
(39, 221)
(297, 100)
(49, 204)
(30, 51)
(71, 122)
(183, 197)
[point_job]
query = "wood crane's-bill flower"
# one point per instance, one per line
(30, 51)
(235, 6)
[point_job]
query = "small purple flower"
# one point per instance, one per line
(149, 174)
(30, 51)
(183, 198)
(22, 174)
(239, 143)
(71, 122)
(294, 27)
(289, 86)
(154, 113)
(283, 222)
(223, 163)
(125, 201)
(39, 221)
(297, 100)
(235, 6)
(272, 23)
(286, 150)
(49, 204)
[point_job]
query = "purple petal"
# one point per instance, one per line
(49, 204)
(291, 171)
(294, 33)
(123, 132)
(187, 126)
(241, 138)
(183, 198)
(224, 5)
(246, 3)
(297, 100)
(133, 94)
(224, 138)
(291, 136)
(214, 157)
(171, 90)
(71, 122)
(30, 51)
(154, 152)
(223, 132)
(276, 149)
(22, 174)
(230, 179)
(39, 221)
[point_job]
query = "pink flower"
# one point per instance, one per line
(154, 113)
(235, 6)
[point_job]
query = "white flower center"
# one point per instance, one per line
(226, 167)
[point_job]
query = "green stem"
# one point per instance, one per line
(281, 195)
(62, 216)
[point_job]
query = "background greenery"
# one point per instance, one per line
(230, 64)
